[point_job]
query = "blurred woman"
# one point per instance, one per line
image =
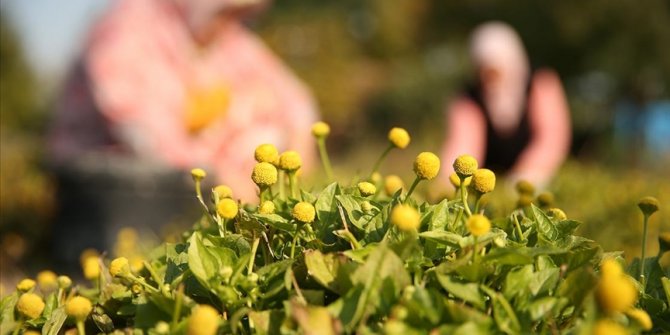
(514, 120)
(164, 86)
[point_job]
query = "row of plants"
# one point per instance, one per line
(366, 257)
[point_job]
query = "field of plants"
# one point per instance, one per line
(364, 257)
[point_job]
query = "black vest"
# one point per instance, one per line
(502, 151)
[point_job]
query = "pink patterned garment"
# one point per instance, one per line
(133, 87)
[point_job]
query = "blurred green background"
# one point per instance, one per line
(379, 63)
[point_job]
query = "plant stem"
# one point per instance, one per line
(474, 250)
(324, 157)
(80, 328)
(381, 159)
(18, 326)
(464, 197)
(254, 248)
(643, 279)
(293, 183)
(221, 222)
(282, 176)
(411, 188)
(295, 240)
(518, 227)
(177, 307)
(477, 202)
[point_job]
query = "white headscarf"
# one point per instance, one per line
(497, 45)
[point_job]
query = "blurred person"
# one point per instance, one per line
(513, 120)
(164, 86)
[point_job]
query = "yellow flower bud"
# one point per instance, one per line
(47, 280)
(376, 177)
(427, 165)
(525, 187)
(266, 153)
(648, 205)
(557, 214)
(483, 180)
(119, 267)
(198, 174)
(366, 206)
(545, 199)
(640, 317)
(91, 268)
(64, 282)
(136, 263)
(79, 308)
(88, 253)
(478, 225)
(32, 332)
(223, 191)
(162, 328)
(25, 285)
(304, 212)
(456, 181)
(267, 207)
(30, 305)
(264, 174)
(227, 208)
(524, 200)
(465, 165)
(320, 129)
(608, 327)
(405, 217)
(399, 137)
(204, 320)
(615, 292)
(290, 161)
(366, 188)
(392, 184)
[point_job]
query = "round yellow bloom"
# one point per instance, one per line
(203, 321)
(25, 285)
(557, 213)
(304, 212)
(227, 208)
(525, 187)
(136, 263)
(198, 174)
(31, 305)
(648, 205)
(91, 268)
(366, 188)
(320, 129)
(608, 327)
(47, 280)
(524, 200)
(267, 207)
(119, 267)
(478, 225)
(426, 165)
(615, 293)
(376, 177)
(610, 268)
(465, 165)
(266, 153)
(641, 317)
(223, 191)
(456, 181)
(483, 180)
(264, 174)
(32, 332)
(545, 199)
(399, 137)
(392, 184)
(405, 217)
(78, 308)
(88, 253)
(64, 282)
(290, 161)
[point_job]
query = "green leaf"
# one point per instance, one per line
(467, 291)
(509, 256)
(567, 227)
(328, 270)
(543, 281)
(326, 211)
(542, 307)
(517, 282)
(267, 322)
(543, 224)
(276, 221)
(503, 313)
(203, 263)
(577, 285)
(55, 322)
(440, 217)
(449, 239)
